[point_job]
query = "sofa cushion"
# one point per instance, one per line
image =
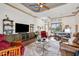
(23, 36)
(27, 35)
(2, 37)
(10, 38)
(4, 45)
(17, 37)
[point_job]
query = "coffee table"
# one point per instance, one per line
(42, 45)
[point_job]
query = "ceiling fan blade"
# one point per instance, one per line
(75, 12)
(31, 5)
(44, 6)
(34, 4)
(37, 9)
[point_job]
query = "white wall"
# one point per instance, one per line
(44, 23)
(39, 22)
(71, 21)
(15, 15)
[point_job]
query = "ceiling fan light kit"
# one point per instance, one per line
(41, 6)
(38, 6)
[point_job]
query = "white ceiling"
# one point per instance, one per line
(32, 7)
(57, 11)
(60, 11)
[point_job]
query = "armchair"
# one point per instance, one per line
(68, 49)
(43, 34)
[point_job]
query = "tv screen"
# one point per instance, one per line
(21, 27)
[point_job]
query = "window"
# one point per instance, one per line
(56, 26)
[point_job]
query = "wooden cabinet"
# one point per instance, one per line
(7, 26)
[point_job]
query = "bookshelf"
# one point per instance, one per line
(7, 26)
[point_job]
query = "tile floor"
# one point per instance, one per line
(49, 48)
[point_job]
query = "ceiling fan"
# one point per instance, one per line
(39, 6)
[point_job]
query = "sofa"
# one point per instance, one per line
(21, 39)
(28, 38)
(25, 38)
(6, 44)
(70, 49)
(3, 43)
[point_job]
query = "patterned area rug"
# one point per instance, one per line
(48, 48)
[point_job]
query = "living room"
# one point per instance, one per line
(22, 26)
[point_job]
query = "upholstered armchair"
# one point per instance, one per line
(43, 34)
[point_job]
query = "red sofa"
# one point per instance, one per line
(3, 43)
(2, 37)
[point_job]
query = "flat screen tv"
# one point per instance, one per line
(21, 27)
